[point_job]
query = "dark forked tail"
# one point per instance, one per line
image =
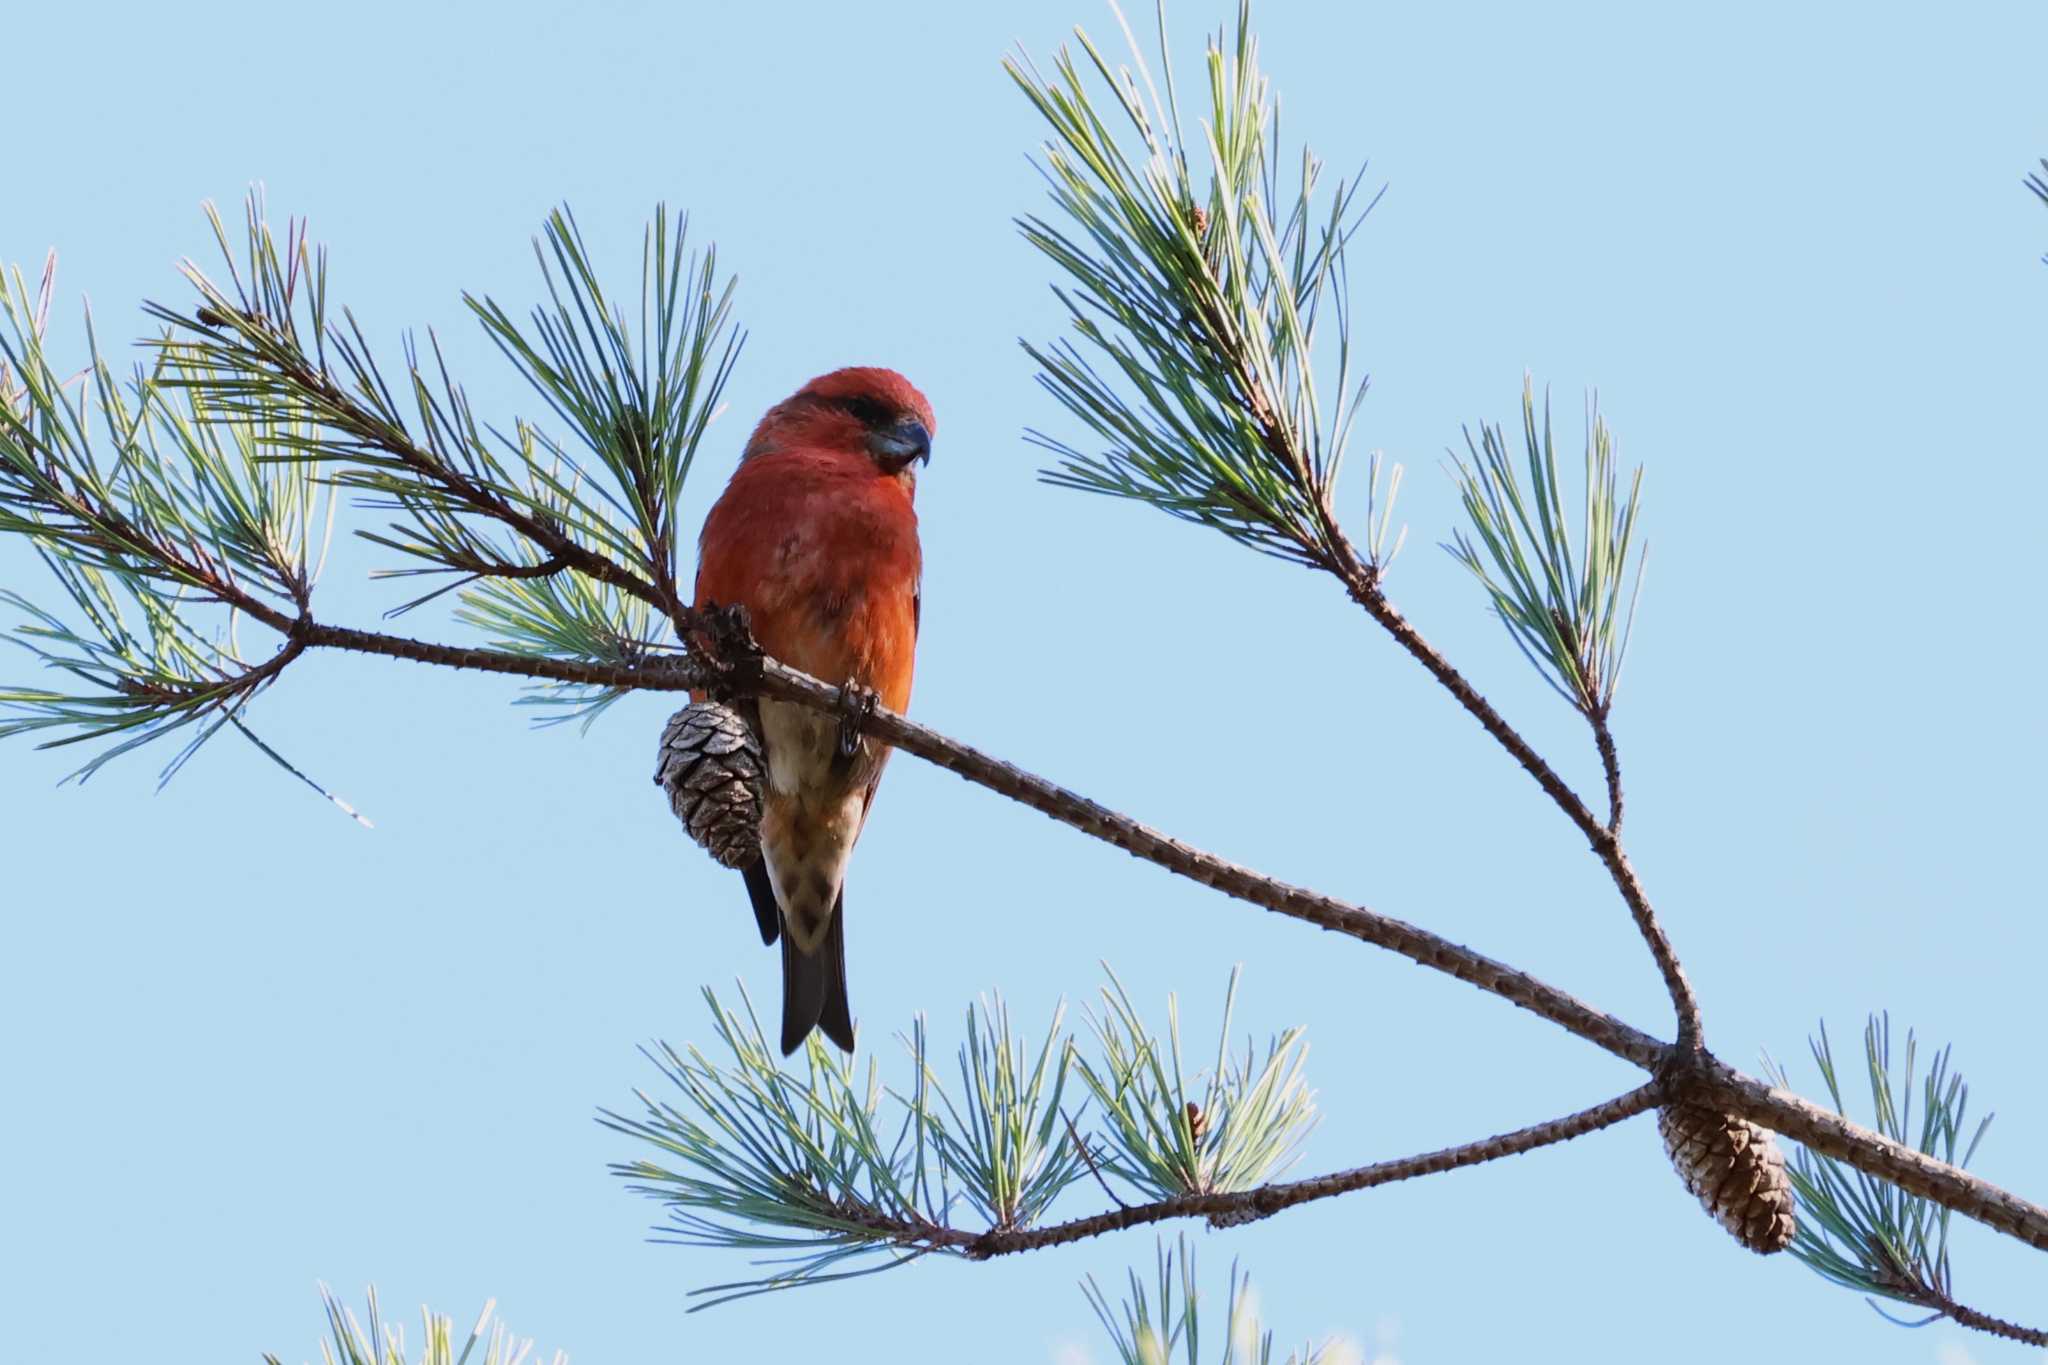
(814, 987)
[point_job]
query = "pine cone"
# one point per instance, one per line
(1235, 1218)
(712, 767)
(1736, 1170)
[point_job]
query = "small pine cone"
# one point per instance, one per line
(1736, 1170)
(1236, 1218)
(711, 766)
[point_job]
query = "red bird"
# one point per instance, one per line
(816, 536)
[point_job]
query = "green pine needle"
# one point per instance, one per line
(1566, 594)
(1865, 1233)
(826, 1173)
(1230, 1129)
(639, 403)
(1149, 1327)
(160, 522)
(798, 1166)
(1197, 269)
(1004, 1142)
(635, 394)
(353, 1342)
(172, 507)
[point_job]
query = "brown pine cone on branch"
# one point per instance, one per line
(711, 766)
(1735, 1169)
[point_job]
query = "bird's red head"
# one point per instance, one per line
(861, 408)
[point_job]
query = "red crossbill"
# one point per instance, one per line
(816, 536)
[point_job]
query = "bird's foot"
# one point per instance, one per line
(856, 708)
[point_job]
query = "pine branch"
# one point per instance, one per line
(639, 399)
(1701, 1077)
(1203, 440)
(1697, 1074)
(1170, 1137)
(1226, 1210)
(253, 344)
(1863, 1233)
(1203, 294)
(751, 1155)
(205, 497)
(1205, 305)
(1829, 1133)
(641, 405)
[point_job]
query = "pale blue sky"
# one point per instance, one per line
(250, 1045)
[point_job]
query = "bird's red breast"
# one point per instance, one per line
(821, 548)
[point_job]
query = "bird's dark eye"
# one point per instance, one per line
(869, 412)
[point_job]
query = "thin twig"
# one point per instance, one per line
(672, 673)
(1908, 1284)
(1365, 589)
(1966, 1316)
(244, 684)
(1267, 1200)
(1610, 764)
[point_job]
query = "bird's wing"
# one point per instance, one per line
(916, 626)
